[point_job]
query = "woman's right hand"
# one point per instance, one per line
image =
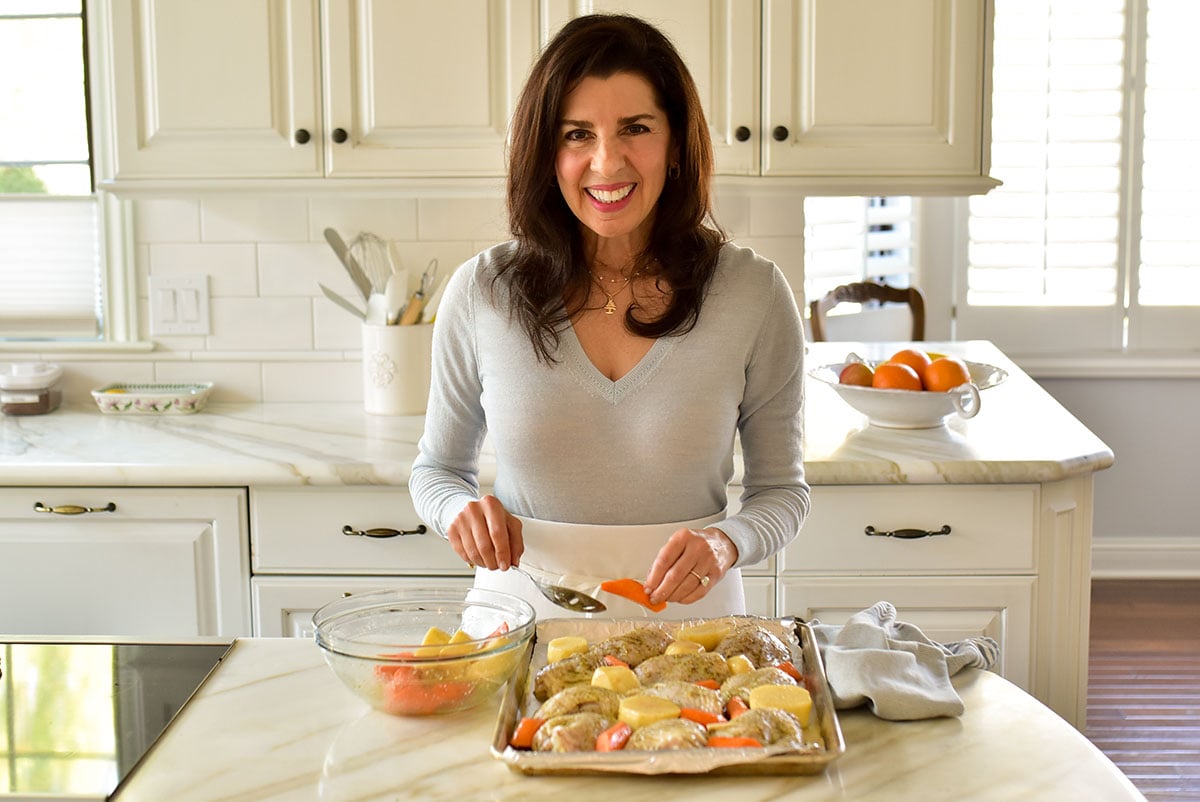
(485, 534)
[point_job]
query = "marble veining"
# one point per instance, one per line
(273, 724)
(1020, 435)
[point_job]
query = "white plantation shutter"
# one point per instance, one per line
(854, 239)
(1051, 256)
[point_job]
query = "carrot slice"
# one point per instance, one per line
(614, 738)
(790, 669)
(711, 684)
(733, 743)
(632, 589)
(523, 735)
(736, 706)
(613, 660)
(700, 716)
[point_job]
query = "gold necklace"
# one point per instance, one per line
(610, 308)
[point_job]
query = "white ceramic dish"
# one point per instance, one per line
(152, 399)
(912, 409)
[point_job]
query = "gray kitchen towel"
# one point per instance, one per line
(894, 667)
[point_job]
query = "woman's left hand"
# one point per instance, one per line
(688, 558)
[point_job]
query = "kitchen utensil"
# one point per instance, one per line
(416, 304)
(371, 253)
(420, 650)
(912, 409)
(349, 262)
(435, 300)
(567, 598)
(342, 302)
(377, 309)
(395, 293)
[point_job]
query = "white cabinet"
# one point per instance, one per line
(852, 96)
(169, 562)
(311, 546)
(1008, 561)
(315, 88)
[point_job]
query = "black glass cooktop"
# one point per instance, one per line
(76, 718)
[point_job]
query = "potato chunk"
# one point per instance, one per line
(616, 678)
(564, 647)
(707, 634)
(683, 647)
(792, 698)
(642, 710)
(739, 664)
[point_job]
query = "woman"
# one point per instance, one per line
(613, 349)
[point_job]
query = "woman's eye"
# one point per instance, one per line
(637, 128)
(575, 135)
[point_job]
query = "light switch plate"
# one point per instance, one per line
(179, 305)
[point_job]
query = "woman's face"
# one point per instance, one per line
(614, 146)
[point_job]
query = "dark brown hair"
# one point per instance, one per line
(548, 263)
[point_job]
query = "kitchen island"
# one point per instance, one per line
(248, 505)
(274, 724)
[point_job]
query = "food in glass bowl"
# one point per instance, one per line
(424, 651)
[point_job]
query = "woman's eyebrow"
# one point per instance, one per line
(622, 121)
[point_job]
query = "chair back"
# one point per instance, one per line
(862, 292)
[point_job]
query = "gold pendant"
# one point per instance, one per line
(610, 307)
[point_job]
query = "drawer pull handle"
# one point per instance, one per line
(73, 509)
(908, 534)
(350, 530)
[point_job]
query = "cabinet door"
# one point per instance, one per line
(219, 88)
(161, 562)
(284, 605)
(719, 41)
(946, 609)
(859, 87)
(424, 89)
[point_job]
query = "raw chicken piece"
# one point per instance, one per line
(574, 670)
(742, 684)
(768, 725)
(683, 667)
(581, 699)
(636, 646)
(672, 733)
(756, 642)
(687, 694)
(575, 732)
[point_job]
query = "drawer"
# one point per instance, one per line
(991, 530)
(300, 531)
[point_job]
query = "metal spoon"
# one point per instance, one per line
(567, 598)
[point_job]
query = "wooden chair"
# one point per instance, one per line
(863, 292)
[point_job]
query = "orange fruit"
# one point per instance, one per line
(915, 358)
(946, 374)
(857, 373)
(894, 376)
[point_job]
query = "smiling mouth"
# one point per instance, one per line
(610, 196)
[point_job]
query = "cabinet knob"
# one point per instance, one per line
(382, 532)
(73, 509)
(907, 534)
(302, 136)
(780, 133)
(340, 135)
(741, 133)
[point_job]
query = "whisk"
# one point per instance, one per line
(372, 253)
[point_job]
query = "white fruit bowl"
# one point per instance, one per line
(912, 409)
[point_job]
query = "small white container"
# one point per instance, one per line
(30, 388)
(396, 363)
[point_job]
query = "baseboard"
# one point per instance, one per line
(1138, 557)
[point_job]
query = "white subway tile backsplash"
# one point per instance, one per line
(166, 220)
(274, 336)
(462, 218)
(265, 219)
(390, 219)
(261, 324)
(230, 267)
(313, 381)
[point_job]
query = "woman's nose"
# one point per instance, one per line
(609, 156)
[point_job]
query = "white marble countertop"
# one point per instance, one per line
(1021, 434)
(274, 724)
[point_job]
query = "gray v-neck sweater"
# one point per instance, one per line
(656, 446)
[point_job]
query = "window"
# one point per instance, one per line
(850, 239)
(51, 284)
(1091, 243)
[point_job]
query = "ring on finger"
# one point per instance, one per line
(703, 579)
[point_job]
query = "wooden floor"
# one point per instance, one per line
(1144, 683)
